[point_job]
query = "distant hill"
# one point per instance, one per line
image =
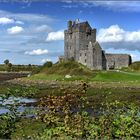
(68, 67)
(135, 65)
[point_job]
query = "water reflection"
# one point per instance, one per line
(20, 102)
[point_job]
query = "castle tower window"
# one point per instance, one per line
(80, 54)
(70, 47)
(85, 54)
(85, 60)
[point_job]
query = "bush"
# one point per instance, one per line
(48, 64)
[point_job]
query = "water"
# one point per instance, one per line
(11, 100)
(21, 103)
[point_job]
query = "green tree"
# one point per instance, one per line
(29, 67)
(9, 67)
(48, 64)
(6, 62)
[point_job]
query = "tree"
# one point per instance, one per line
(6, 62)
(48, 64)
(9, 66)
(29, 65)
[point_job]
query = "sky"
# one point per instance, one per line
(31, 31)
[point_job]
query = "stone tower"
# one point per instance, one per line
(77, 37)
(80, 45)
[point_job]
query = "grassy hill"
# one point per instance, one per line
(116, 76)
(81, 72)
(135, 66)
(68, 67)
(58, 72)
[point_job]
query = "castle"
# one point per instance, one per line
(80, 44)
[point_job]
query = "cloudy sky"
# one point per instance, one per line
(31, 31)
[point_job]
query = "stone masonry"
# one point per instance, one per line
(80, 45)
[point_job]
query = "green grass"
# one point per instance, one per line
(101, 76)
(3, 89)
(68, 67)
(2, 67)
(80, 72)
(56, 77)
(135, 66)
(111, 94)
(42, 76)
(114, 76)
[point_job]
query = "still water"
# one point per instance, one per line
(20, 102)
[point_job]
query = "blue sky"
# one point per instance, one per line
(32, 31)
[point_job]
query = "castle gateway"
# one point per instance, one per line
(80, 44)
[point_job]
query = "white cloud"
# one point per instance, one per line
(118, 38)
(133, 56)
(32, 17)
(116, 34)
(43, 28)
(112, 34)
(55, 36)
(45, 60)
(19, 22)
(70, 6)
(27, 17)
(37, 52)
(133, 36)
(133, 6)
(67, 1)
(126, 5)
(15, 30)
(117, 5)
(5, 20)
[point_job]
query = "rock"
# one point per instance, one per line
(29, 75)
(67, 76)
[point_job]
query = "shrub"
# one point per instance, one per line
(48, 64)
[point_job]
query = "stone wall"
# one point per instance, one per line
(104, 61)
(69, 43)
(117, 61)
(94, 56)
(83, 57)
